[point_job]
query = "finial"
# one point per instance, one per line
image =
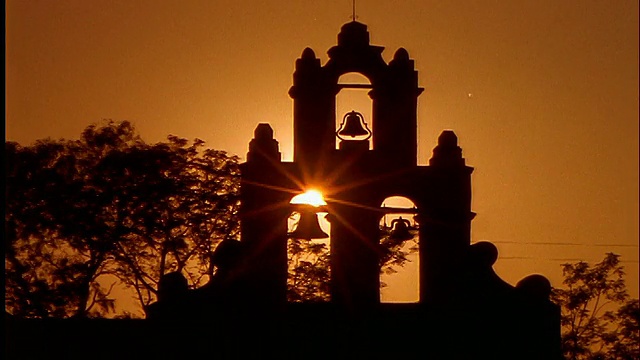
(353, 10)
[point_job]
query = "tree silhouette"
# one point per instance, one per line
(111, 204)
(599, 320)
(395, 251)
(177, 204)
(48, 271)
(309, 274)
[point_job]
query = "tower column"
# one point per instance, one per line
(263, 223)
(355, 270)
(445, 225)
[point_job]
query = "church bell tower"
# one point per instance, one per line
(356, 174)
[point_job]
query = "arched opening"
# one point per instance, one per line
(400, 267)
(309, 270)
(354, 96)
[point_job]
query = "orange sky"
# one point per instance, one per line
(543, 95)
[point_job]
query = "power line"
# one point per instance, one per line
(552, 259)
(564, 244)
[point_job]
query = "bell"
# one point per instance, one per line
(308, 227)
(352, 125)
(400, 229)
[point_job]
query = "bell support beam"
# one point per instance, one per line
(354, 86)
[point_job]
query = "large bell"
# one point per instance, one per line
(400, 229)
(352, 125)
(308, 227)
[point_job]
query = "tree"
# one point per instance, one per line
(395, 251)
(47, 273)
(111, 204)
(308, 271)
(599, 321)
(176, 205)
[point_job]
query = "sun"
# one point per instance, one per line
(310, 197)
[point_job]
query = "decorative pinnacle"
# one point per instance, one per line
(447, 152)
(353, 12)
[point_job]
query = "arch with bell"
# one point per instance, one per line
(399, 239)
(307, 252)
(354, 109)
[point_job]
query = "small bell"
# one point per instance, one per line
(400, 229)
(352, 126)
(308, 227)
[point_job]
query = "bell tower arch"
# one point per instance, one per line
(354, 94)
(394, 93)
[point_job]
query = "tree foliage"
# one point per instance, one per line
(111, 204)
(395, 251)
(47, 270)
(599, 320)
(309, 274)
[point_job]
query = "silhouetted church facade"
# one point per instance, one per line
(460, 294)
(465, 311)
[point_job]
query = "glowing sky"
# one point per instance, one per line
(543, 95)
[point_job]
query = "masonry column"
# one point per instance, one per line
(445, 225)
(263, 215)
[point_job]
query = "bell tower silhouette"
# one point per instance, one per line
(461, 298)
(465, 310)
(355, 179)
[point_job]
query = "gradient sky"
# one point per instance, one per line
(543, 95)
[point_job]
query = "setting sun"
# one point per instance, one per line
(310, 197)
